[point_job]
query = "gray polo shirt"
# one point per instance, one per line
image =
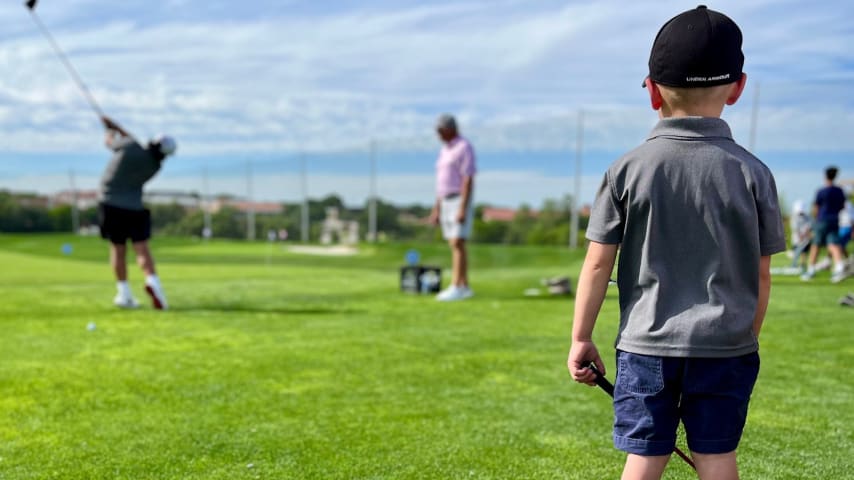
(128, 170)
(693, 213)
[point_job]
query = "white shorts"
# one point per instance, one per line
(448, 209)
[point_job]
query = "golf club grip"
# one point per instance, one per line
(605, 385)
(600, 380)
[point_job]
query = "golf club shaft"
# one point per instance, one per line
(608, 387)
(74, 75)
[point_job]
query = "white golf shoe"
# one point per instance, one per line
(839, 274)
(454, 293)
(823, 264)
(125, 301)
(158, 298)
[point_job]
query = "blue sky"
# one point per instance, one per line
(242, 83)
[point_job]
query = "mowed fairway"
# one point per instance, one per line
(275, 365)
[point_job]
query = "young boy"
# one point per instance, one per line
(829, 202)
(696, 219)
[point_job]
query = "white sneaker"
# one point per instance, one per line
(125, 301)
(454, 293)
(444, 294)
(158, 298)
(839, 276)
(808, 275)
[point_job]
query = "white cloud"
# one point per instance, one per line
(270, 76)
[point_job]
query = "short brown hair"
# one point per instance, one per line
(692, 97)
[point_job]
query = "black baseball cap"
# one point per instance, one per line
(697, 48)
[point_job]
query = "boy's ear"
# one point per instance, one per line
(654, 94)
(737, 90)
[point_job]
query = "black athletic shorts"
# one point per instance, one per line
(120, 224)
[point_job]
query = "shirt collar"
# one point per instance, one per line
(691, 127)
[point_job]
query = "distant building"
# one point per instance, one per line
(188, 200)
(33, 200)
(412, 219)
(270, 208)
(83, 199)
(494, 214)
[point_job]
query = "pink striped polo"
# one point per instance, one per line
(455, 163)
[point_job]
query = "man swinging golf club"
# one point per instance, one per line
(122, 215)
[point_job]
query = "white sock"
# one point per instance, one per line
(839, 267)
(123, 288)
(152, 280)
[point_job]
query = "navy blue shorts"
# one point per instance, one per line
(826, 233)
(709, 395)
(118, 225)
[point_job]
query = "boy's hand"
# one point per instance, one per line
(580, 354)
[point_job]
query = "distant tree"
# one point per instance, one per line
(490, 232)
(17, 215)
(522, 223)
(191, 224)
(388, 220)
(265, 223)
(229, 223)
(419, 211)
(550, 226)
(60, 218)
(88, 216)
(552, 223)
(163, 215)
(317, 208)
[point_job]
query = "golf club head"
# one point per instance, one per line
(31, 4)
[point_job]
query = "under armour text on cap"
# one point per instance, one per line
(697, 48)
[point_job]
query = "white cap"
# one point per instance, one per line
(798, 207)
(167, 144)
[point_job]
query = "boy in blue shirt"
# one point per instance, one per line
(696, 220)
(829, 203)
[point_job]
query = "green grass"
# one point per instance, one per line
(275, 365)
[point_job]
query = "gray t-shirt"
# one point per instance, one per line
(693, 213)
(128, 170)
